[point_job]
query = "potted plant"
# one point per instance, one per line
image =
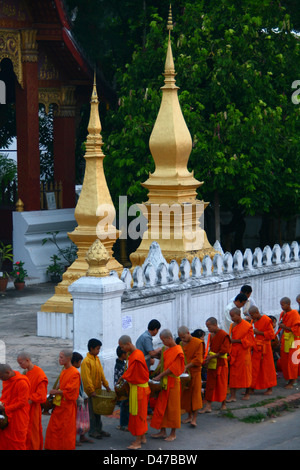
(5, 255)
(19, 274)
(55, 270)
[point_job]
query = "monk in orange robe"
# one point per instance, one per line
(38, 395)
(61, 430)
(216, 361)
(263, 366)
(14, 401)
(191, 397)
(167, 411)
(242, 341)
(137, 375)
(289, 324)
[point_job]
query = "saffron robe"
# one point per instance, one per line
(217, 379)
(38, 395)
(167, 411)
(240, 374)
(191, 397)
(15, 396)
(263, 366)
(288, 359)
(137, 373)
(61, 430)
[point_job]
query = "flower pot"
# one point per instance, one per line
(3, 283)
(19, 285)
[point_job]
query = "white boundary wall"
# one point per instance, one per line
(106, 308)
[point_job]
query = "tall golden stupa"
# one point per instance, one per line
(172, 209)
(94, 214)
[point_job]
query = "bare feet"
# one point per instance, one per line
(134, 446)
(230, 400)
(205, 410)
(268, 392)
(159, 435)
(246, 396)
(187, 420)
(170, 438)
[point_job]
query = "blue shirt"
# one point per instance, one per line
(145, 344)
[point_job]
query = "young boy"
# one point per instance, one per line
(124, 404)
(93, 378)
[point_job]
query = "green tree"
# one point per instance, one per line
(235, 63)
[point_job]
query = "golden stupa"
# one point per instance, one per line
(94, 214)
(172, 210)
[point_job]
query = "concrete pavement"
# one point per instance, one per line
(18, 312)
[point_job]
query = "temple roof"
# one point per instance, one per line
(54, 36)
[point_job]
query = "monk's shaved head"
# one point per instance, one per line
(166, 334)
(183, 330)
(285, 300)
(212, 320)
(24, 355)
(6, 372)
(67, 353)
(5, 368)
(125, 339)
(253, 309)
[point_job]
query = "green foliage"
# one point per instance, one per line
(5, 255)
(235, 63)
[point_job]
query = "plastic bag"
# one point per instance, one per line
(82, 420)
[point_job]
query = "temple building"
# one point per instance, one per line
(42, 64)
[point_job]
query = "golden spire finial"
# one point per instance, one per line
(94, 126)
(170, 21)
(169, 64)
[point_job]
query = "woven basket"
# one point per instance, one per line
(122, 390)
(155, 388)
(104, 402)
(3, 420)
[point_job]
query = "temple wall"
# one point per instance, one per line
(175, 295)
(29, 230)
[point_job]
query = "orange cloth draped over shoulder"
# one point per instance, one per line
(217, 379)
(240, 374)
(288, 351)
(263, 366)
(191, 398)
(137, 373)
(38, 395)
(167, 411)
(15, 396)
(61, 430)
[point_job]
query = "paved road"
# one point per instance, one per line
(214, 431)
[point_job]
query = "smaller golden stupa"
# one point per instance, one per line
(94, 214)
(172, 209)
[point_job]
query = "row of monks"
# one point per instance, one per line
(242, 358)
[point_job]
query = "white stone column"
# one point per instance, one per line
(97, 314)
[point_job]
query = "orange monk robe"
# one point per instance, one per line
(167, 411)
(240, 374)
(61, 430)
(38, 394)
(15, 396)
(191, 397)
(263, 367)
(217, 379)
(288, 360)
(137, 373)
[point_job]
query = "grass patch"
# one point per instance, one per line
(258, 418)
